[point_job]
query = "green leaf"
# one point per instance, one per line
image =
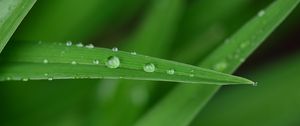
(275, 102)
(67, 61)
(12, 13)
(190, 99)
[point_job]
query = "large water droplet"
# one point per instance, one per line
(171, 71)
(68, 43)
(221, 66)
(115, 49)
(45, 61)
(149, 67)
(261, 13)
(112, 62)
(90, 46)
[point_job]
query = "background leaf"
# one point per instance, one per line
(229, 56)
(12, 13)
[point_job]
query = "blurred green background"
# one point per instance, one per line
(181, 30)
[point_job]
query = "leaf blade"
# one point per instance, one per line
(75, 59)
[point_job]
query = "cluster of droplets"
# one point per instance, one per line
(112, 62)
(89, 46)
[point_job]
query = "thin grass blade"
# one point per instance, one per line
(191, 99)
(12, 13)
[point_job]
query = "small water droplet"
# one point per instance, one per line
(73, 62)
(79, 44)
(8, 78)
(242, 60)
(50, 78)
(133, 53)
(112, 62)
(171, 71)
(25, 79)
(261, 13)
(244, 44)
(115, 49)
(90, 46)
(149, 67)
(254, 84)
(221, 66)
(45, 61)
(227, 41)
(96, 62)
(68, 43)
(46, 74)
(191, 75)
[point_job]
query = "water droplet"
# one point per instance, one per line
(46, 74)
(133, 53)
(25, 79)
(261, 13)
(242, 60)
(68, 43)
(149, 67)
(96, 62)
(90, 46)
(79, 44)
(244, 44)
(115, 49)
(254, 84)
(171, 71)
(221, 66)
(45, 61)
(73, 62)
(8, 78)
(191, 75)
(112, 62)
(50, 78)
(226, 40)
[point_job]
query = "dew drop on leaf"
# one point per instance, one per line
(25, 79)
(73, 62)
(149, 67)
(68, 43)
(261, 13)
(8, 78)
(221, 66)
(115, 49)
(191, 75)
(112, 62)
(171, 71)
(96, 62)
(50, 78)
(79, 44)
(90, 46)
(45, 61)
(133, 53)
